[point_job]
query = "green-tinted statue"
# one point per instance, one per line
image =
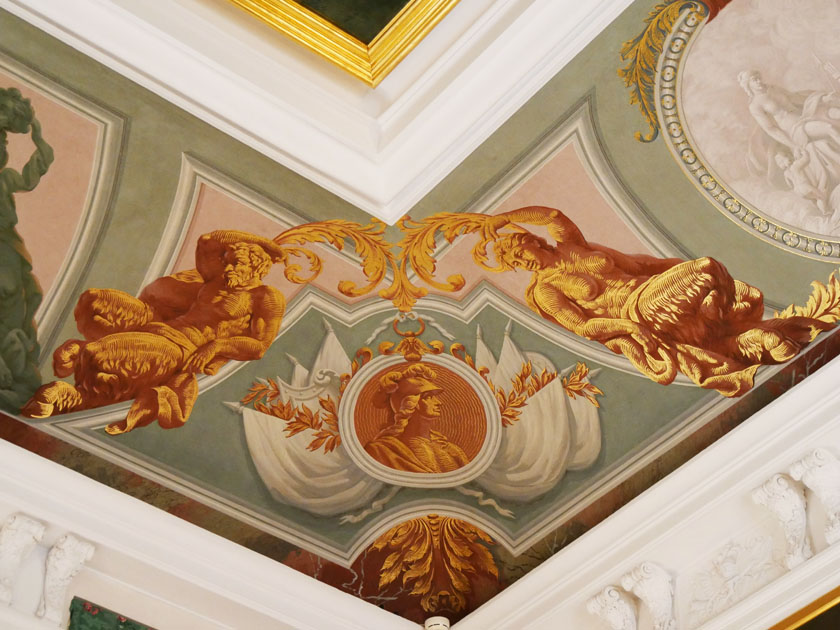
(20, 294)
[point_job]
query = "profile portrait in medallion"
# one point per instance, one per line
(420, 418)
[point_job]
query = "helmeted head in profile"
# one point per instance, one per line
(408, 442)
(408, 393)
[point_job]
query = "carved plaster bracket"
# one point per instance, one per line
(64, 562)
(654, 586)
(18, 537)
(787, 503)
(614, 607)
(820, 472)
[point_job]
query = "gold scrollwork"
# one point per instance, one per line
(642, 56)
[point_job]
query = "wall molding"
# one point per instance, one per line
(381, 150)
(693, 510)
(101, 190)
(229, 575)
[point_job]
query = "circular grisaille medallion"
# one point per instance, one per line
(429, 423)
(751, 112)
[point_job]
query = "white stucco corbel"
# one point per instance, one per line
(18, 537)
(820, 472)
(654, 586)
(786, 501)
(615, 607)
(64, 561)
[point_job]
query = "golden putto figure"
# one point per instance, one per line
(409, 443)
(150, 348)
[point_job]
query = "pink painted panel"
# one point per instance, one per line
(49, 215)
(216, 210)
(561, 183)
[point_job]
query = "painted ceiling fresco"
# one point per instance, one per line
(420, 414)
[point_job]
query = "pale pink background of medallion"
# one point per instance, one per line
(49, 215)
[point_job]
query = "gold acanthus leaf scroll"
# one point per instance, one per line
(438, 557)
(642, 54)
(367, 240)
(374, 251)
(417, 253)
(823, 304)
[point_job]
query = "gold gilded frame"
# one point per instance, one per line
(370, 63)
(812, 610)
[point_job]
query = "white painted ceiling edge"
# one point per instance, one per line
(380, 149)
(175, 551)
(680, 524)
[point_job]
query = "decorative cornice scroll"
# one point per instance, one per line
(18, 537)
(615, 607)
(654, 586)
(787, 503)
(64, 561)
(820, 472)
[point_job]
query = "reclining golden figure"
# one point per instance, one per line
(150, 348)
(664, 314)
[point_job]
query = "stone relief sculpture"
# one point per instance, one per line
(820, 472)
(20, 294)
(615, 607)
(18, 537)
(64, 561)
(786, 501)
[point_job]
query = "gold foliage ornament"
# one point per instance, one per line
(642, 56)
(439, 557)
(528, 382)
(823, 305)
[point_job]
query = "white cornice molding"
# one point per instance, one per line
(682, 524)
(118, 523)
(686, 520)
(381, 149)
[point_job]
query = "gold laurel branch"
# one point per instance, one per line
(367, 240)
(323, 423)
(642, 54)
(577, 385)
(524, 385)
(459, 351)
(439, 557)
(823, 306)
